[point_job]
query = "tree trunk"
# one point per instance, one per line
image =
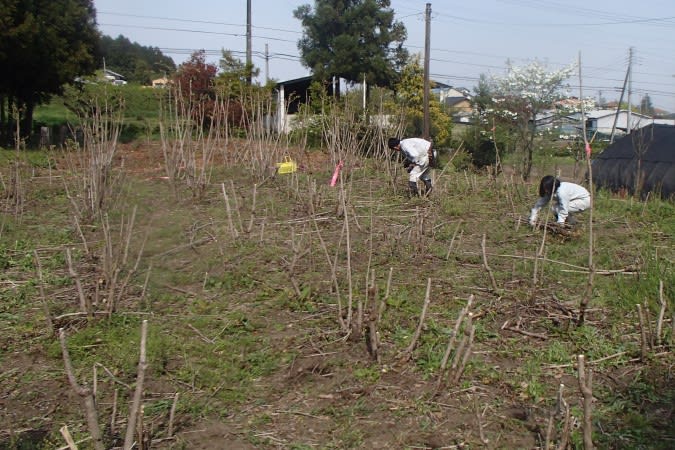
(27, 119)
(5, 122)
(528, 140)
(3, 114)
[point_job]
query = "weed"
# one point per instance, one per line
(367, 374)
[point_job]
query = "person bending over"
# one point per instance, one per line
(568, 199)
(416, 152)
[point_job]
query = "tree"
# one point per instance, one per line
(196, 78)
(646, 106)
(233, 86)
(410, 95)
(519, 96)
(44, 44)
(137, 63)
(352, 39)
(234, 73)
(194, 87)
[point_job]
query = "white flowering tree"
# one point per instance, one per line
(520, 96)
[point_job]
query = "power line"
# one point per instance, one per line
(185, 30)
(208, 22)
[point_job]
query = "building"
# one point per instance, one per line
(114, 77)
(291, 94)
(159, 83)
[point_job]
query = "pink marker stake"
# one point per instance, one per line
(336, 173)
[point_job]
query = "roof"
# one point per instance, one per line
(114, 74)
(296, 81)
(599, 113)
(452, 101)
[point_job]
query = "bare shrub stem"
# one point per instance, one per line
(451, 343)
(85, 305)
(43, 297)
(85, 394)
(407, 354)
(495, 288)
(138, 393)
(662, 312)
(586, 388)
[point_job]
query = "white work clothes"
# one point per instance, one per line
(416, 150)
(569, 198)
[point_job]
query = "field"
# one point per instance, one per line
(285, 313)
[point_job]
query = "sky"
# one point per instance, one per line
(467, 38)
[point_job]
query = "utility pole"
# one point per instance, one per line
(249, 62)
(618, 107)
(427, 46)
(629, 124)
(365, 90)
(267, 63)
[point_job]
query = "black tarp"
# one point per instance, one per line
(650, 149)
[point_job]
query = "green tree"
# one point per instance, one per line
(232, 84)
(410, 97)
(137, 63)
(352, 39)
(234, 73)
(44, 44)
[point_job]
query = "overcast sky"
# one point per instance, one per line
(468, 38)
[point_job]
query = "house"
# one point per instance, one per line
(456, 101)
(603, 121)
(159, 83)
(559, 126)
(291, 94)
(114, 77)
(600, 123)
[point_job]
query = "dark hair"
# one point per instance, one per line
(548, 185)
(393, 142)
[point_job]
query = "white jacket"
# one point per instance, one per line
(416, 150)
(569, 198)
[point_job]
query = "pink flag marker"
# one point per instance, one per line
(336, 173)
(588, 149)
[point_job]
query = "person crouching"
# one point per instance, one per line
(568, 199)
(416, 153)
